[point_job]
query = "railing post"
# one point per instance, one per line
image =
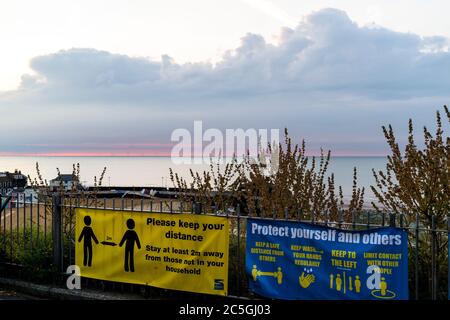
(198, 208)
(353, 220)
(57, 231)
(448, 258)
(392, 220)
(416, 256)
(433, 259)
(3, 209)
(238, 278)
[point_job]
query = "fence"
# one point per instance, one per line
(44, 230)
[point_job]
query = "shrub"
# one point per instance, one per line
(37, 261)
(417, 182)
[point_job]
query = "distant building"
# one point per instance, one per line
(21, 196)
(12, 181)
(68, 182)
(31, 195)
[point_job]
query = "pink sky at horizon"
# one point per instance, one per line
(166, 153)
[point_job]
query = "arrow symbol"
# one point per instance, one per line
(108, 243)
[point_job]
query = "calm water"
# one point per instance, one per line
(154, 171)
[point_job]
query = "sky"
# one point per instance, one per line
(117, 77)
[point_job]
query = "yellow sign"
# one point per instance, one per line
(174, 251)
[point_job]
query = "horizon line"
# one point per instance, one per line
(100, 155)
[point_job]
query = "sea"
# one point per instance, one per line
(154, 171)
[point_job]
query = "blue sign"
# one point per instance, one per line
(297, 261)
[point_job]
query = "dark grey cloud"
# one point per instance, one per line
(328, 77)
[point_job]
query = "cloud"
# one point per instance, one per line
(87, 68)
(325, 52)
(320, 76)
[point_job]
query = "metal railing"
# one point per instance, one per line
(26, 224)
